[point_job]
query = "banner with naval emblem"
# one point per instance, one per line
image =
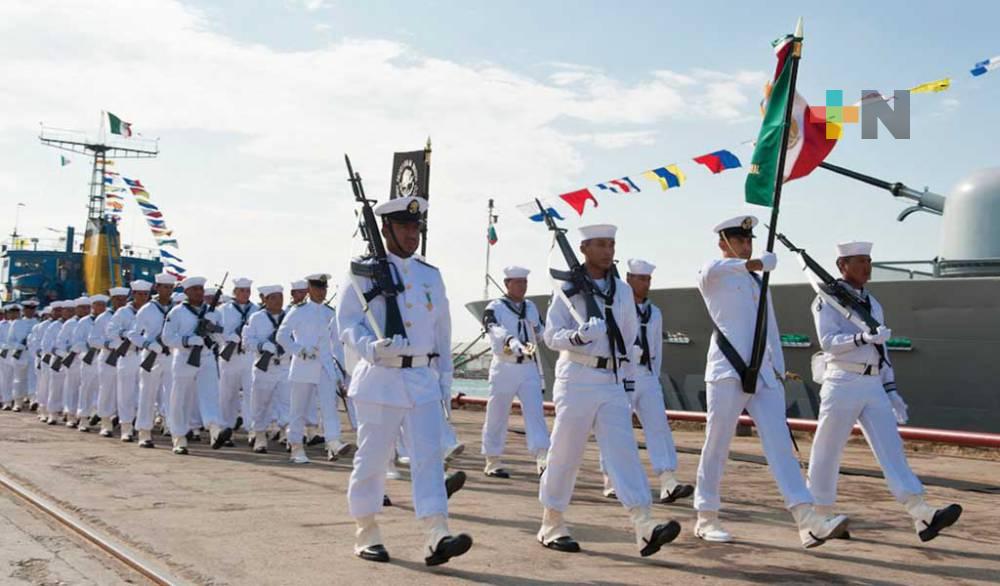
(411, 173)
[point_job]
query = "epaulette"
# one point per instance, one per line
(426, 264)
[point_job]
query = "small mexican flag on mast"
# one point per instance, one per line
(118, 126)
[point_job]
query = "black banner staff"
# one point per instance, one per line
(427, 196)
(760, 329)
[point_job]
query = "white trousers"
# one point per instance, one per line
(235, 381)
(726, 401)
(107, 386)
(22, 377)
(378, 427)
(86, 404)
(57, 383)
(6, 381)
(269, 394)
(151, 392)
(127, 386)
(42, 385)
(194, 390)
(505, 384)
(303, 397)
(603, 409)
(647, 403)
(71, 387)
(862, 399)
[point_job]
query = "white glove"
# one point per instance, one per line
(898, 407)
(881, 335)
(155, 348)
(19, 347)
(114, 343)
(193, 341)
(268, 347)
(769, 260)
(78, 348)
(592, 330)
(232, 338)
(516, 347)
(389, 347)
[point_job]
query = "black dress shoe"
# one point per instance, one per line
(261, 450)
(222, 438)
(454, 482)
(662, 535)
(228, 444)
(146, 444)
(844, 535)
(386, 501)
(190, 436)
(316, 440)
(449, 547)
(239, 423)
(565, 544)
(679, 492)
(498, 473)
(253, 440)
(374, 553)
(34, 407)
(115, 421)
(182, 451)
(943, 518)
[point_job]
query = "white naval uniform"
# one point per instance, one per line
(388, 398)
(235, 374)
(57, 378)
(849, 397)
(192, 388)
(107, 375)
(309, 334)
(71, 380)
(588, 398)
(35, 349)
(127, 373)
(87, 395)
(22, 371)
(731, 294)
(647, 398)
(270, 390)
(6, 372)
(512, 376)
(154, 384)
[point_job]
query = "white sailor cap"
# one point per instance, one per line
(266, 290)
(30, 303)
(165, 279)
(82, 302)
(193, 282)
(597, 231)
(12, 307)
(100, 298)
(242, 283)
(299, 285)
(46, 310)
(318, 279)
(515, 272)
(403, 209)
(854, 248)
(178, 297)
(118, 291)
(141, 285)
(737, 226)
(56, 305)
(637, 266)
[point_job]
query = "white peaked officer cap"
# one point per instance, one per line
(141, 285)
(300, 285)
(82, 301)
(637, 266)
(266, 290)
(242, 283)
(598, 231)
(742, 225)
(118, 291)
(515, 272)
(403, 209)
(317, 278)
(193, 282)
(854, 248)
(98, 299)
(165, 279)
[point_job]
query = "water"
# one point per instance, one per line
(471, 387)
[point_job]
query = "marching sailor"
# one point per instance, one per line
(647, 398)
(154, 371)
(107, 375)
(127, 384)
(77, 326)
(8, 315)
(190, 331)
(514, 327)
(21, 356)
(730, 287)
(593, 374)
(236, 369)
(39, 363)
(400, 381)
(309, 334)
(859, 385)
(82, 408)
(57, 374)
(269, 383)
(298, 291)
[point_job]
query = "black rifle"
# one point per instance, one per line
(227, 351)
(56, 363)
(150, 360)
(18, 352)
(3, 353)
(118, 353)
(378, 269)
(265, 357)
(88, 358)
(577, 275)
(206, 327)
(68, 361)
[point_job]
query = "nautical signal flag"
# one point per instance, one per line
(63, 161)
(530, 209)
(718, 161)
(669, 176)
(623, 185)
(578, 199)
(491, 235)
(985, 66)
(932, 86)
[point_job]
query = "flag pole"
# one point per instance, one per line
(427, 196)
(760, 329)
(489, 245)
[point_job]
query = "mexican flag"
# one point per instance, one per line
(807, 141)
(491, 235)
(119, 126)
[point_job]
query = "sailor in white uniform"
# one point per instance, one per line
(57, 374)
(647, 398)
(235, 372)
(127, 385)
(38, 358)
(75, 332)
(8, 315)
(181, 335)
(401, 379)
(269, 383)
(731, 289)
(154, 370)
(101, 336)
(514, 328)
(86, 410)
(859, 386)
(21, 356)
(310, 336)
(590, 396)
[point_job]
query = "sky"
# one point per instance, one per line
(255, 102)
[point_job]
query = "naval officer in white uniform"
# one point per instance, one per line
(400, 382)
(730, 287)
(859, 385)
(590, 396)
(514, 328)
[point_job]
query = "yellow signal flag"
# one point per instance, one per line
(932, 86)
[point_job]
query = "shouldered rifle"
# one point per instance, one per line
(19, 351)
(118, 352)
(56, 363)
(88, 358)
(378, 269)
(206, 327)
(68, 361)
(265, 357)
(576, 275)
(150, 360)
(228, 350)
